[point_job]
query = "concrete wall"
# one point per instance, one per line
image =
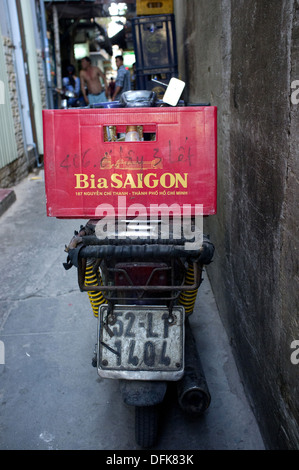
(23, 161)
(17, 169)
(242, 56)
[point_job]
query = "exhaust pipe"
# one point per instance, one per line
(193, 392)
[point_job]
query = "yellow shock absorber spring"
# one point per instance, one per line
(188, 298)
(94, 279)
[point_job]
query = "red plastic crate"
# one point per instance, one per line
(82, 171)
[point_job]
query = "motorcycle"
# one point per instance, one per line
(142, 290)
(69, 99)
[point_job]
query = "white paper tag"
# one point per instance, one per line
(173, 91)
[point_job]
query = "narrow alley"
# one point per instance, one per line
(50, 395)
(221, 139)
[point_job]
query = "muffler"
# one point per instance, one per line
(193, 392)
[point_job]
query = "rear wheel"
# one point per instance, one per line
(146, 425)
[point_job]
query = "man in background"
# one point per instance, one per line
(90, 76)
(123, 79)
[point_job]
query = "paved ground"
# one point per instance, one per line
(50, 396)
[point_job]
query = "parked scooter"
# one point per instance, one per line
(69, 99)
(142, 291)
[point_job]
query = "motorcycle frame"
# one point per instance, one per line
(146, 288)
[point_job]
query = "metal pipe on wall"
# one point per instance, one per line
(57, 51)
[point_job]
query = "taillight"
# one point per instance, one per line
(142, 274)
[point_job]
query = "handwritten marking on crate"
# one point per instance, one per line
(128, 160)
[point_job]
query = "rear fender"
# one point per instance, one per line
(142, 393)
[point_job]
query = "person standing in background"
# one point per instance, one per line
(123, 79)
(72, 83)
(90, 76)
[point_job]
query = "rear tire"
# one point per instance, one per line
(146, 425)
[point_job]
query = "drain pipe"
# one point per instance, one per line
(45, 42)
(38, 164)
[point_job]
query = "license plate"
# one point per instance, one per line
(141, 342)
